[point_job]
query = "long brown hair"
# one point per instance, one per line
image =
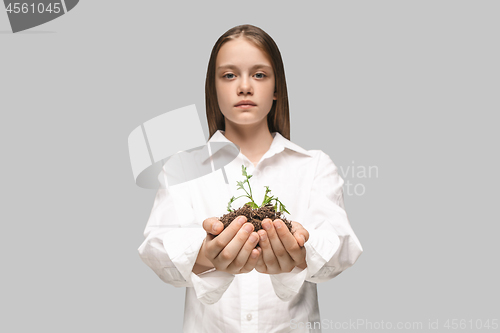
(278, 119)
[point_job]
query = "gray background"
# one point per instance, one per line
(407, 86)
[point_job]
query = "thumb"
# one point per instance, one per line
(213, 226)
(301, 236)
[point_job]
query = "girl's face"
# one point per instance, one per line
(244, 73)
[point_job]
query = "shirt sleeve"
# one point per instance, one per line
(172, 243)
(332, 246)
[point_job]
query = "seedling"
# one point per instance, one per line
(251, 203)
(254, 213)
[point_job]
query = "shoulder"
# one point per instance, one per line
(323, 162)
(316, 156)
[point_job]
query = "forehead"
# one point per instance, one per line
(240, 53)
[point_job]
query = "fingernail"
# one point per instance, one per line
(277, 225)
(214, 227)
(304, 238)
(248, 228)
(252, 238)
(242, 220)
(263, 237)
(254, 255)
(266, 225)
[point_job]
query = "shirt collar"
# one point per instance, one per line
(278, 145)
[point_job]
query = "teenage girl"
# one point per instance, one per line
(243, 71)
(242, 280)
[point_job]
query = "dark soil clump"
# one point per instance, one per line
(255, 216)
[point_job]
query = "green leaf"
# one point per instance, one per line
(267, 200)
(252, 204)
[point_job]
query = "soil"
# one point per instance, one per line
(255, 216)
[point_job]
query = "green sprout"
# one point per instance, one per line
(251, 203)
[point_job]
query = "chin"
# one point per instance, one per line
(243, 120)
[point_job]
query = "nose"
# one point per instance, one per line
(245, 87)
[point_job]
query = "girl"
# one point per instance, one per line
(241, 280)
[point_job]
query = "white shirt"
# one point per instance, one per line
(309, 185)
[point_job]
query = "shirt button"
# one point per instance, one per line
(249, 316)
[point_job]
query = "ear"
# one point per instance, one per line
(275, 97)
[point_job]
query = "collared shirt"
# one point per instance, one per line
(308, 183)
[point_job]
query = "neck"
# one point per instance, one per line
(252, 140)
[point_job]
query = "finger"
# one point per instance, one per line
(252, 261)
(274, 239)
(268, 256)
(261, 266)
(243, 255)
(290, 242)
(231, 250)
(213, 225)
(286, 238)
(300, 237)
(285, 260)
(300, 233)
(215, 245)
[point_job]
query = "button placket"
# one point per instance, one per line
(249, 302)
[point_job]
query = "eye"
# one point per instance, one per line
(263, 75)
(227, 75)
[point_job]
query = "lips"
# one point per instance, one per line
(245, 103)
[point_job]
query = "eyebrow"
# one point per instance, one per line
(253, 67)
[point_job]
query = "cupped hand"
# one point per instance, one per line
(233, 250)
(281, 250)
